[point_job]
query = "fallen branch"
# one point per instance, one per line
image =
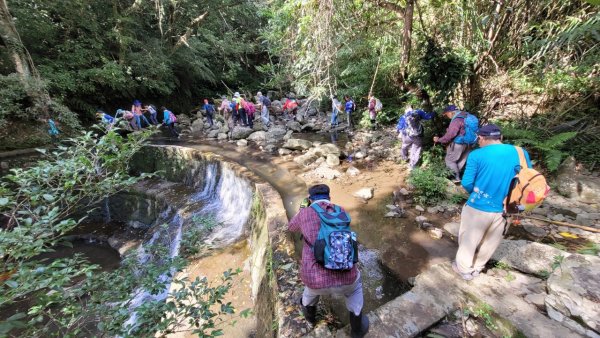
(582, 227)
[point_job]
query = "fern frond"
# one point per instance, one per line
(553, 158)
(558, 140)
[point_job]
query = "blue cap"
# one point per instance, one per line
(490, 130)
(319, 192)
(450, 108)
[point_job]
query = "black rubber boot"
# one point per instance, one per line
(359, 325)
(309, 312)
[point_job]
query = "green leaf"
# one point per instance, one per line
(3, 201)
(48, 197)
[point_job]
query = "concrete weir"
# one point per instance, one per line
(269, 245)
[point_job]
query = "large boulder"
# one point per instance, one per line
(529, 257)
(326, 149)
(258, 136)
(333, 160)
(326, 173)
(572, 184)
(276, 106)
(297, 144)
(241, 132)
(310, 127)
(574, 294)
(213, 134)
(306, 159)
(183, 120)
(277, 132)
(198, 125)
(295, 126)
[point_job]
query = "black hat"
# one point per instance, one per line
(490, 130)
(319, 192)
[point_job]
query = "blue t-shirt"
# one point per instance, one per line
(349, 106)
(488, 174)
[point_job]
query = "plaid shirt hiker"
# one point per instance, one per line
(313, 274)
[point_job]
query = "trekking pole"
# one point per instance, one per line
(582, 227)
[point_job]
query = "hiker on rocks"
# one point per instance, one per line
(129, 117)
(374, 107)
(210, 111)
(239, 114)
(336, 107)
(169, 120)
(152, 110)
(250, 110)
(265, 105)
(105, 118)
(225, 108)
(410, 131)
(136, 109)
(53, 130)
(349, 107)
(459, 138)
(488, 174)
(326, 277)
(290, 107)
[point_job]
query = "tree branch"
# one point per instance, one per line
(188, 32)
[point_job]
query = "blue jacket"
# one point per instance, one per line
(349, 107)
(488, 174)
(422, 114)
(166, 116)
(209, 108)
(107, 118)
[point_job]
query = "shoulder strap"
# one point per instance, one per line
(317, 207)
(522, 159)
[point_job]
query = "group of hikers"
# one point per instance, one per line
(135, 119)
(498, 178)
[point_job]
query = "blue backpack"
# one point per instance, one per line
(336, 247)
(471, 129)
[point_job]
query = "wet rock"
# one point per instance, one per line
(221, 136)
(574, 291)
(419, 208)
(284, 151)
(242, 143)
(559, 218)
(421, 219)
(213, 134)
(333, 160)
(435, 233)
(526, 256)
(310, 127)
(277, 133)
(288, 135)
(574, 185)
(293, 125)
(297, 144)
(241, 132)
(197, 126)
(326, 149)
(258, 136)
(364, 193)
(452, 228)
(352, 171)
(534, 230)
(270, 148)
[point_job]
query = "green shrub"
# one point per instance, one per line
(428, 188)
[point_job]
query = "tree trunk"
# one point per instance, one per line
(23, 63)
(407, 34)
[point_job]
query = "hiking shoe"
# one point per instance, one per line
(465, 276)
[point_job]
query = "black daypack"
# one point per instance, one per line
(414, 127)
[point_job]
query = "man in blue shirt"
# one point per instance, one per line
(410, 130)
(349, 107)
(487, 177)
(210, 111)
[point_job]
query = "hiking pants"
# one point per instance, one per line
(456, 157)
(172, 129)
(235, 115)
(138, 120)
(349, 119)
(250, 120)
(210, 118)
(264, 115)
(243, 116)
(353, 293)
(334, 116)
(153, 118)
(411, 149)
(479, 235)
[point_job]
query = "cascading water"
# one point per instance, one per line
(222, 195)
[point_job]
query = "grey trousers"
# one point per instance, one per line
(411, 149)
(353, 293)
(456, 157)
(264, 115)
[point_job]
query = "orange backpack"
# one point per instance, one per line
(527, 190)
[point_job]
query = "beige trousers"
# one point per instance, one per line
(479, 235)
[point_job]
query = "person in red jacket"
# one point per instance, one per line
(319, 280)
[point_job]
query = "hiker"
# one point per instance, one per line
(152, 110)
(410, 131)
(250, 110)
(374, 107)
(290, 107)
(459, 138)
(239, 114)
(265, 105)
(127, 116)
(169, 120)
(225, 108)
(489, 172)
(136, 109)
(53, 131)
(210, 111)
(324, 278)
(349, 107)
(105, 118)
(336, 107)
